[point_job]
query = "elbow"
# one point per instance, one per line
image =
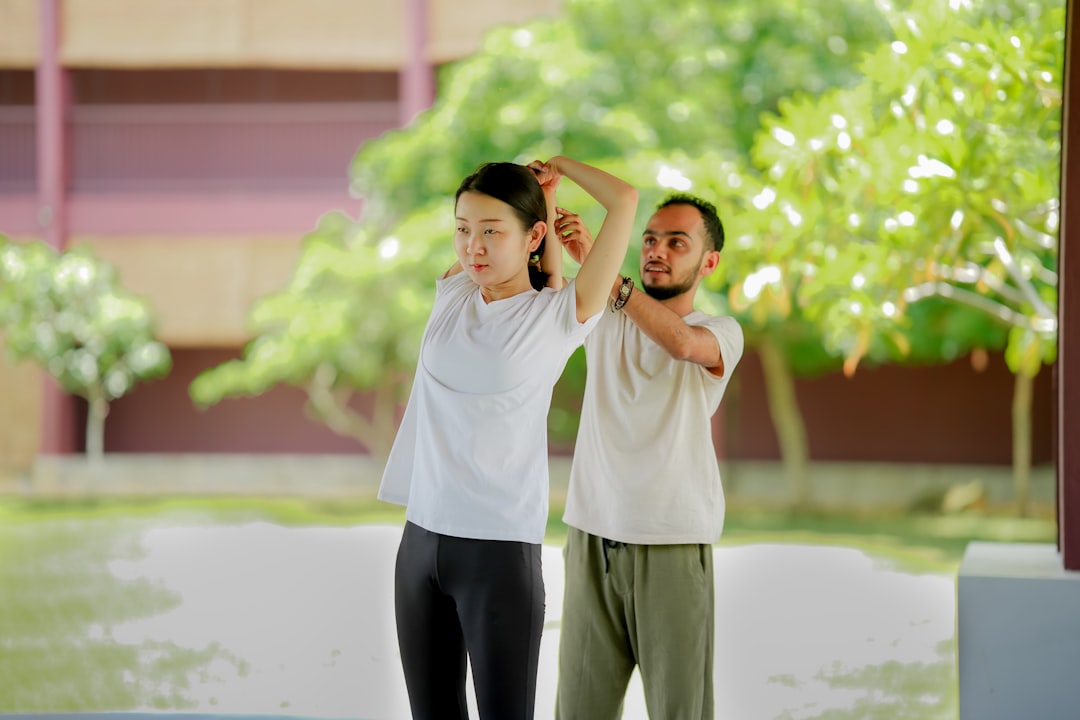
(681, 349)
(623, 197)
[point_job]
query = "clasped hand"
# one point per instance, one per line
(571, 231)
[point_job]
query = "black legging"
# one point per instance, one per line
(456, 594)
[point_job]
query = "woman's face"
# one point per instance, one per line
(491, 244)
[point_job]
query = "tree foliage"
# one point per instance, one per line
(612, 77)
(936, 176)
(887, 174)
(351, 318)
(68, 313)
(595, 83)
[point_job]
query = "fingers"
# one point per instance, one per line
(573, 234)
(545, 175)
(567, 222)
(542, 171)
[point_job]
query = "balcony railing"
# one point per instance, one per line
(18, 155)
(198, 147)
(193, 168)
(244, 147)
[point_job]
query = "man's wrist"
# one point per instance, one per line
(622, 293)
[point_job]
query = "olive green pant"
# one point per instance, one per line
(645, 605)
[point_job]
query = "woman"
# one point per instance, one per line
(470, 458)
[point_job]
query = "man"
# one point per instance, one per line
(645, 503)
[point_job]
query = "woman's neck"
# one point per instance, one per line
(514, 286)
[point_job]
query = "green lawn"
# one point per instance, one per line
(918, 540)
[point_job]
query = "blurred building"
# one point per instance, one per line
(193, 142)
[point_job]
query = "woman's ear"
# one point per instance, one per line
(539, 230)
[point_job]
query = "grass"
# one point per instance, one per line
(916, 541)
(919, 542)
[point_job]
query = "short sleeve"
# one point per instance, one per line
(729, 336)
(461, 280)
(566, 310)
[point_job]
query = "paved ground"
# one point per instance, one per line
(301, 622)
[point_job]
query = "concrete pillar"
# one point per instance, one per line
(1018, 633)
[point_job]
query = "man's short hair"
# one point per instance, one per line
(714, 229)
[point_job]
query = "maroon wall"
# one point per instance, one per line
(111, 87)
(159, 417)
(933, 414)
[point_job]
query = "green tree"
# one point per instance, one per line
(594, 83)
(611, 77)
(350, 320)
(68, 313)
(936, 176)
(764, 264)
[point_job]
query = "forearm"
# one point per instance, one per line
(551, 260)
(665, 328)
(608, 190)
(609, 249)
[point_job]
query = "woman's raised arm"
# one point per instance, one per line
(600, 268)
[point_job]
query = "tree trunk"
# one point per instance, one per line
(384, 412)
(97, 411)
(787, 421)
(1023, 386)
(331, 406)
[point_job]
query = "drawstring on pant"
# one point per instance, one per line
(613, 545)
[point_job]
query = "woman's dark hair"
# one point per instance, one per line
(517, 186)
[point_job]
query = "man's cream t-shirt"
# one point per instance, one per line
(644, 468)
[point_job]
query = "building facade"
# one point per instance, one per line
(192, 144)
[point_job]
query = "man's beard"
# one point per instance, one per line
(667, 292)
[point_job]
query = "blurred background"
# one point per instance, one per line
(220, 225)
(268, 183)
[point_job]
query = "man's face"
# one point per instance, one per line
(673, 253)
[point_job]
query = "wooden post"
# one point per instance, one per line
(1068, 359)
(417, 82)
(51, 85)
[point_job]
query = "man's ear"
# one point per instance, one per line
(539, 230)
(709, 262)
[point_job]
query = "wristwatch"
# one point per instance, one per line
(625, 289)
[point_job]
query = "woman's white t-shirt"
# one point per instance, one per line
(471, 456)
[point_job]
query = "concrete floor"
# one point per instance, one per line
(302, 622)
